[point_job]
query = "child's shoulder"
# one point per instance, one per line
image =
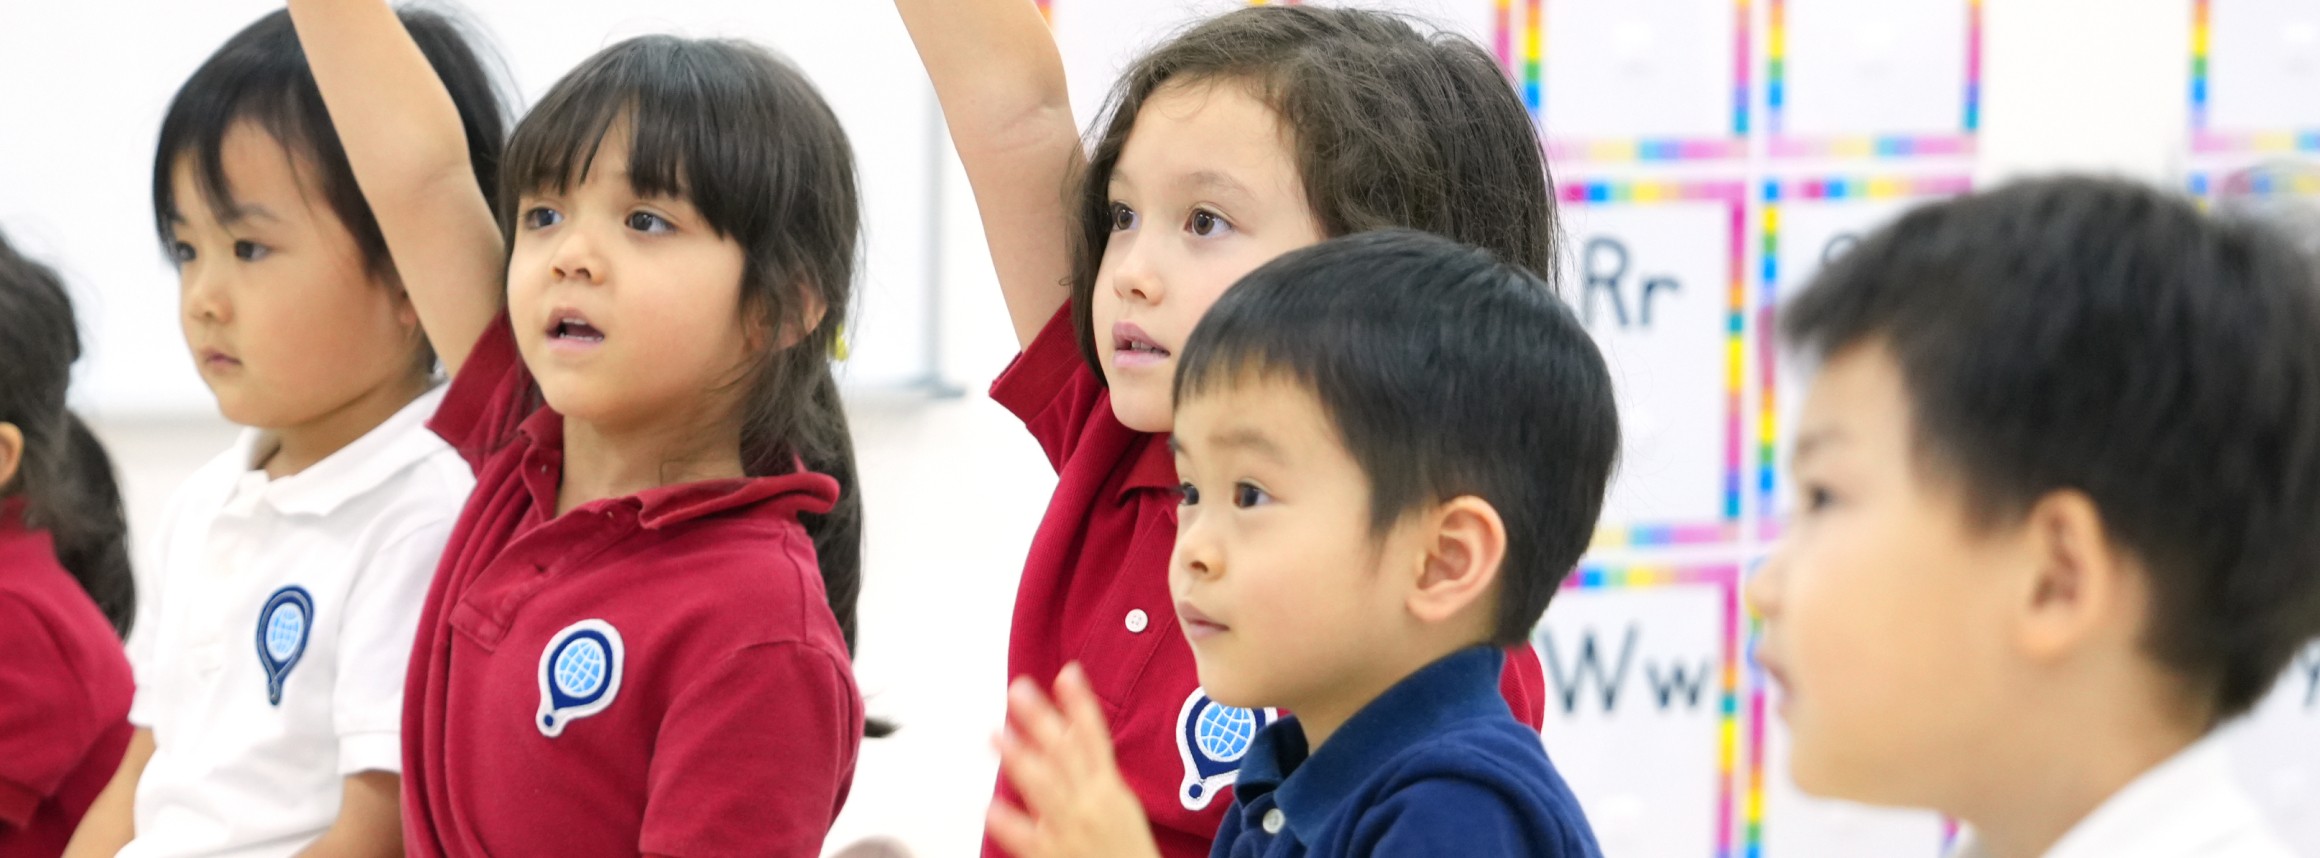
(1486, 778)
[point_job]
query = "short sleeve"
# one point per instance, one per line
(46, 723)
(142, 646)
(374, 648)
(755, 756)
(1050, 388)
(490, 397)
(1452, 816)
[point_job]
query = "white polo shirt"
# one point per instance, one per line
(274, 626)
(2187, 807)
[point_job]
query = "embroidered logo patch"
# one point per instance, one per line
(1212, 738)
(579, 674)
(284, 624)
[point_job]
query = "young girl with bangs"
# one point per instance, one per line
(1246, 136)
(638, 639)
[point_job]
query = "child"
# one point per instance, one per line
(66, 594)
(2060, 467)
(1252, 134)
(289, 569)
(639, 638)
(1393, 448)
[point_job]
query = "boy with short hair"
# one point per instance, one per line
(2061, 478)
(1393, 448)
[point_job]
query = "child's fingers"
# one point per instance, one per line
(1085, 715)
(1034, 775)
(1040, 723)
(1015, 830)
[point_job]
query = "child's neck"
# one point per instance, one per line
(1321, 714)
(602, 461)
(2062, 767)
(299, 447)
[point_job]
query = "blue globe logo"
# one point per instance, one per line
(580, 668)
(283, 631)
(1224, 732)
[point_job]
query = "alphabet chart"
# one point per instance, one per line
(2255, 76)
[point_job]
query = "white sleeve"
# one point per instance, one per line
(374, 647)
(149, 574)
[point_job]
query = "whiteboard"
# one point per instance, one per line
(76, 161)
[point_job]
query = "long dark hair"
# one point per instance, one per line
(65, 478)
(1390, 127)
(745, 138)
(260, 75)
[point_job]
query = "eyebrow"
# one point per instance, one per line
(1211, 180)
(1249, 440)
(248, 211)
(1814, 440)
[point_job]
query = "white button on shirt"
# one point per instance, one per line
(1138, 621)
(234, 772)
(2187, 807)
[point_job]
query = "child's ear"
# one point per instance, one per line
(11, 453)
(809, 319)
(2078, 580)
(1465, 545)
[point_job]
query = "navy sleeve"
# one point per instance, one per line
(1227, 833)
(1453, 816)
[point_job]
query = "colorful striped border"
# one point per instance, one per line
(1734, 195)
(1529, 74)
(1726, 577)
(2206, 140)
(2261, 184)
(1774, 193)
(1867, 146)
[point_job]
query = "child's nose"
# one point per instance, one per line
(576, 257)
(1763, 589)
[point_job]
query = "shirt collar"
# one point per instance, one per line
(386, 450)
(800, 491)
(1309, 789)
(1154, 466)
(2188, 805)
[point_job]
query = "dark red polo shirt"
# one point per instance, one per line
(655, 673)
(1095, 590)
(64, 694)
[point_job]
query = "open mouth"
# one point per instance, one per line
(1130, 345)
(574, 329)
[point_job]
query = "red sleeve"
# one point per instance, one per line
(1524, 684)
(755, 756)
(490, 397)
(46, 720)
(1051, 389)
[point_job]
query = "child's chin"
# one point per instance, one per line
(1143, 411)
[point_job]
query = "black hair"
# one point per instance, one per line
(748, 140)
(1447, 373)
(2100, 336)
(65, 477)
(260, 76)
(1389, 127)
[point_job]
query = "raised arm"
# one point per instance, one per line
(1000, 81)
(403, 137)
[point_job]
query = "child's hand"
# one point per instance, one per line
(1059, 757)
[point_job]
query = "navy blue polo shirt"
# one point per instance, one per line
(1437, 765)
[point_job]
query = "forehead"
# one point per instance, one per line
(261, 176)
(1191, 132)
(1858, 401)
(1255, 407)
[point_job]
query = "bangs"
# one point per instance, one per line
(702, 120)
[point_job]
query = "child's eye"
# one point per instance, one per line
(1206, 224)
(1187, 494)
(181, 252)
(1817, 498)
(1123, 218)
(1246, 495)
(649, 222)
(542, 217)
(250, 251)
